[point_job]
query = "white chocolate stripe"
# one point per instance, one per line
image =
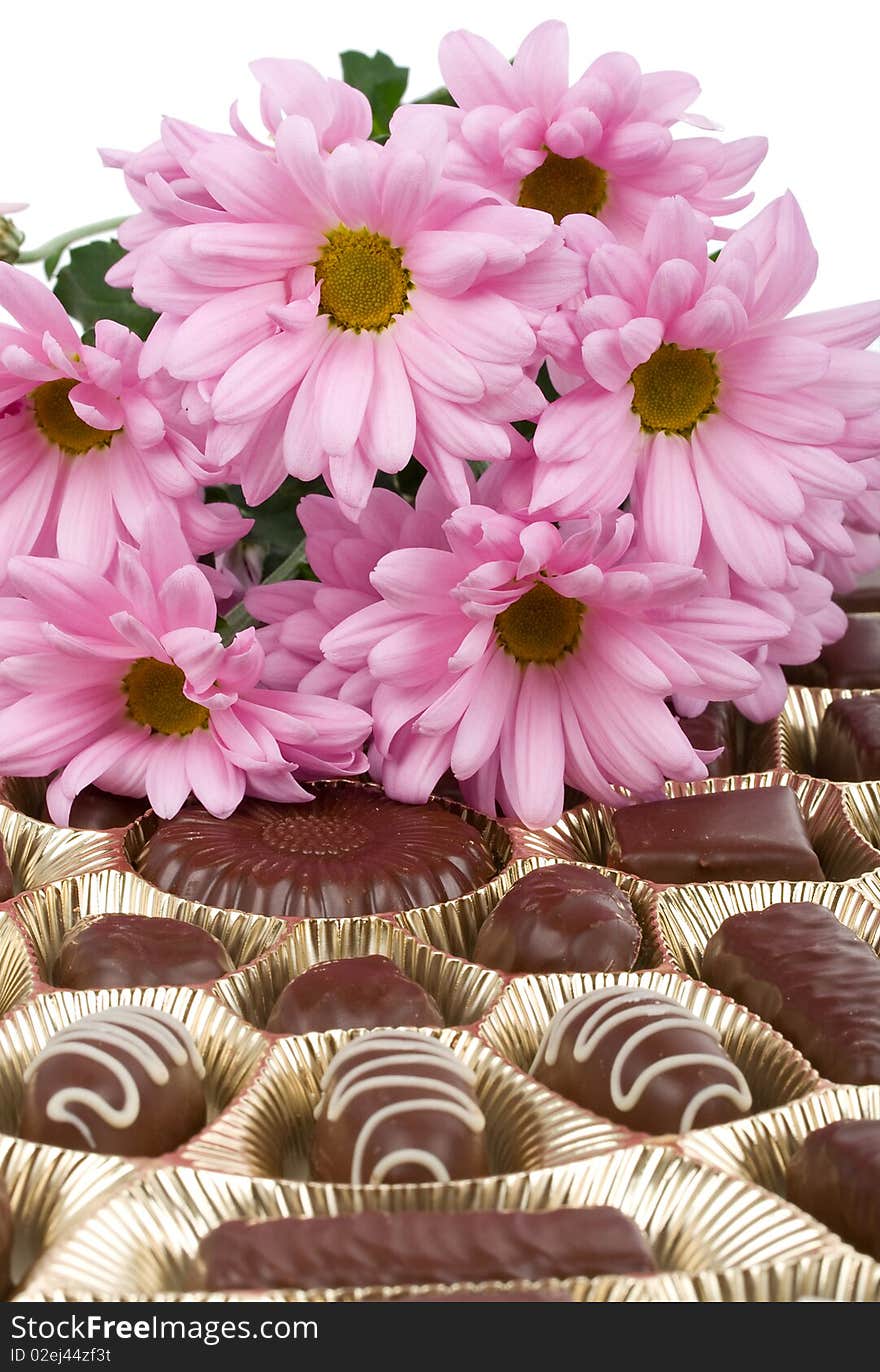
(401, 1107)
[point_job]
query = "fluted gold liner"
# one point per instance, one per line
(18, 965)
(145, 1239)
(39, 853)
(48, 914)
(268, 1131)
(688, 916)
(760, 1149)
(843, 844)
(839, 1275)
(231, 1050)
(494, 833)
(454, 926)
(463, 991)
(50, 1189)
(795, 731)
(776, 1072)
(861, 804)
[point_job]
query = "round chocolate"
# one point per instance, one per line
(138, 950)
(642, 1059)
(353, 993)
(350, 851)
(560, 919)
(97, 809)
(398, 1106)
(7, 1234)
(127, 1080)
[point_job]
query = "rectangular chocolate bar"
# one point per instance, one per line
(848, 745)
(411, 1247)
(797, 966)
(835, 1175)
(749, 835)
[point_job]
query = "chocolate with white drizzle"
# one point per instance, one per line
(127, 1080)
(642, 1059)
(398, 1106)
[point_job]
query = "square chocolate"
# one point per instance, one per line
(848, 745)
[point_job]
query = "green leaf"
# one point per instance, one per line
(381, 81)
(276, 526)
(85, 295)
(440, 96)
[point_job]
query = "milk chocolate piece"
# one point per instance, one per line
(835, 1175)
(96, 809)
(127, 1080)
(421, 1246)
(398, 1106)
(848, 745)
(853, 662)
(717, 727)
(755, 834)
(813, 979)
(138, 950)
(641, 1058)
(7, 1234)
(353, 993)
(560, 919)
(7, 884)
(864, 598)
(350, 851)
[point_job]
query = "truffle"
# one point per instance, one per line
(717, 727)
(351, 851)
(96, 809)
(811, 977)
(560, 918)
(641, 1058)
(848, 745)
(7, 1234)
(353, 993)
(138, 950)
(835, 1175)
(127, 1080)
(754, 834)
(398, 1106)
(421, 1246)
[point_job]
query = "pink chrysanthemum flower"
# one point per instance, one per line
(521, 656)
(124, 682)
(601, 146)
(161, 178)
(86, 446)
(352, 309)
(689, 391)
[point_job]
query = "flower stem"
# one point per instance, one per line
(239, 618)
(55, 246)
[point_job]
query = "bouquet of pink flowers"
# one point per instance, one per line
(525, 445)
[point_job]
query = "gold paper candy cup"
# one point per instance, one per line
(839, 1275)
(689, 915)
(39, 853)
(49, 913)
(463, 991)
(776, 1072)
(231, 1050)
(759, 1149)
(18, 965)
(50, 1189)
(267, 1132)
(145, 1239)
(454, 925)
(586, 834)
(795, 732)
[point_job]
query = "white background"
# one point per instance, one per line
(102, 72)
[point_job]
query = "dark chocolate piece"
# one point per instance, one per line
(398, 1106)
(717, 727)
(353, 993)
(138, 950)
(560, 919)
(864, 598)
(641, 1058)
(7, 884)
(853, 662)
(97, 809)
(127, 1080)
(848, 745)
(7, 1234)
(755, 834)
(835, 1175)
(421, 1246)
(350, 851)
(811, 977)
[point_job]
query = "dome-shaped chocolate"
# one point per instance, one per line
(353, 993)
(138, 950)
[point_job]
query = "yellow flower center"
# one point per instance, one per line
(364, 283)
(59, 421)
(675, 389)
(542, 626)
(155, 697)
(565, 185)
